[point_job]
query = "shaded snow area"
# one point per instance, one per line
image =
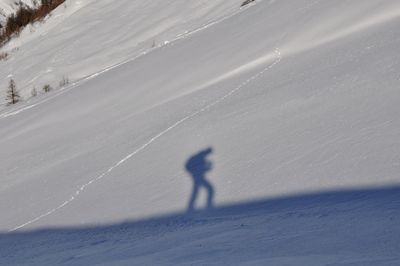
(196, 132)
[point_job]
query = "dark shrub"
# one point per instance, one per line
(247, 2)
(26, 15)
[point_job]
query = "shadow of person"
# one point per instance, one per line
(198, 165)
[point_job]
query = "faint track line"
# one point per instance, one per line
(278, 58)
(107, 69)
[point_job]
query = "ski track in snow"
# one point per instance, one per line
(181, 36)
(153, 139)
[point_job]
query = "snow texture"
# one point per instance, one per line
(295, 102)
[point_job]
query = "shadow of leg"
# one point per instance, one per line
(210, 194)
(193, 197)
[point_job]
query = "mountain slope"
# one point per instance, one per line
(293, 98)
(81, 38)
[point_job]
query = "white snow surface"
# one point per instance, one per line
(81, 38)
(299, 101)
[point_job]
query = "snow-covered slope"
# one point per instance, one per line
(298, 100)
(83, 37)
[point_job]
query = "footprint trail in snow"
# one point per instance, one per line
(278, 58)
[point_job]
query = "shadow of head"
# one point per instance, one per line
(198, 165)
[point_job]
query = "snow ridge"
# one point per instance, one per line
(278, 58)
